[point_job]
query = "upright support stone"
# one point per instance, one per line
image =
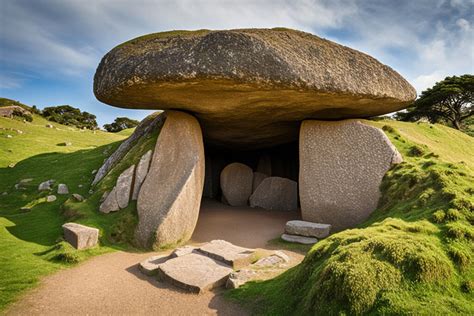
(169, 199)
(342, 164)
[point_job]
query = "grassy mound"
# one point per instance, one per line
(413, 256)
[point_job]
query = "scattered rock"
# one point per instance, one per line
(9, 136)
(124, 187)
(25, 208)
(177, 175)
(65, 144)
(258, 177)
(182, 251)
(63, 189)
(78, 197)
(51, 198)
(236, 183)
(150, 266)
(25, 181)
(80, 236)
(308, 229)
(46, 185)
(94, 172)
(275, 193)
(141, 172)
(49, 126)
(80, 186)
(5, 193)
(228, 253)
(299, 239)
(238, 278)
(342, 164)
(12, 165)
(194, 272)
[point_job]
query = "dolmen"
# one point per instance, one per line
(250, 90)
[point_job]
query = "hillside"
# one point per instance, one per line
(29, 247)
(414, 255)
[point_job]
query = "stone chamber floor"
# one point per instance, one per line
(112, 283)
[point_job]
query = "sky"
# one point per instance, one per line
(50, 49)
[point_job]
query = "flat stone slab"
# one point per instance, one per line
(309, 229)
(183, 251)
(299, 239)
(80, 236)
(194, 272)
(150, 266)
(228, 253)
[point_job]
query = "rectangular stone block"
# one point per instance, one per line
(80, 236)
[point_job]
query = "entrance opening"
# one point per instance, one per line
(244, 225)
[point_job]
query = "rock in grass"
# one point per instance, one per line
(5, 193)
(141, 172)
(299, 239)
(49, 126)
(65, 144)
(150, 266)
(308, 229)
(238, 278)
(124, 187)
(80, 236)
(46, 185)
(110, 203)
(51, 198)
(78, 197)
(63, 189)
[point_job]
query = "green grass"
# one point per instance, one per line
(30, 241)
(414, 255)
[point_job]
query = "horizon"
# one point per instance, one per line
(49, 50)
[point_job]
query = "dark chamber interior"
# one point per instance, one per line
(283, 160)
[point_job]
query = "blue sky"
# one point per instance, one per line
(49, 49)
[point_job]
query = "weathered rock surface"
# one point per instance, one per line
(194, 272)
(308, 229)
(141, 172)
(236, 183)
(150, 266)
(80, 236)
(146, 126)
(258, 177)
(110, 203)
(299, 239)
(182, 251)
(123, 188)
(228, 253)
(238, 278)
(63, 189)
(78, 197)
(9, 111)
(51, 198)
(342, 164)
(275, 193)
(169, 199)
(254, 86)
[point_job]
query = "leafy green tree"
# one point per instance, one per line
(120, 123)
(68, 115)
(449, 101)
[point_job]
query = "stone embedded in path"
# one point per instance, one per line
(342, 164)
(299, 239)
(228, 253)
(123, 188)
(63, 189)
(80, 236)
(258, 177)
(236, 183)
(140, 173)
(308, 229)
(275, 193)
(254, 86)
(150, 266)
(182, 251)
(194, 272)
(170, 197)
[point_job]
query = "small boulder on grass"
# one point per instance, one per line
(80, 236)
(51, 198)
(77, 197)
(46, 185)
(63, 189)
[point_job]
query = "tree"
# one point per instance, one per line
(68, 115)
(120, 123)
(450, 100)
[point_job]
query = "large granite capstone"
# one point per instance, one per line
(170, 197)
(249, 88)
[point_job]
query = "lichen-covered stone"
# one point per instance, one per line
(170, 197)
(342, 164)
(254, 86)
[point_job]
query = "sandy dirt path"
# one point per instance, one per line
(111, 283)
